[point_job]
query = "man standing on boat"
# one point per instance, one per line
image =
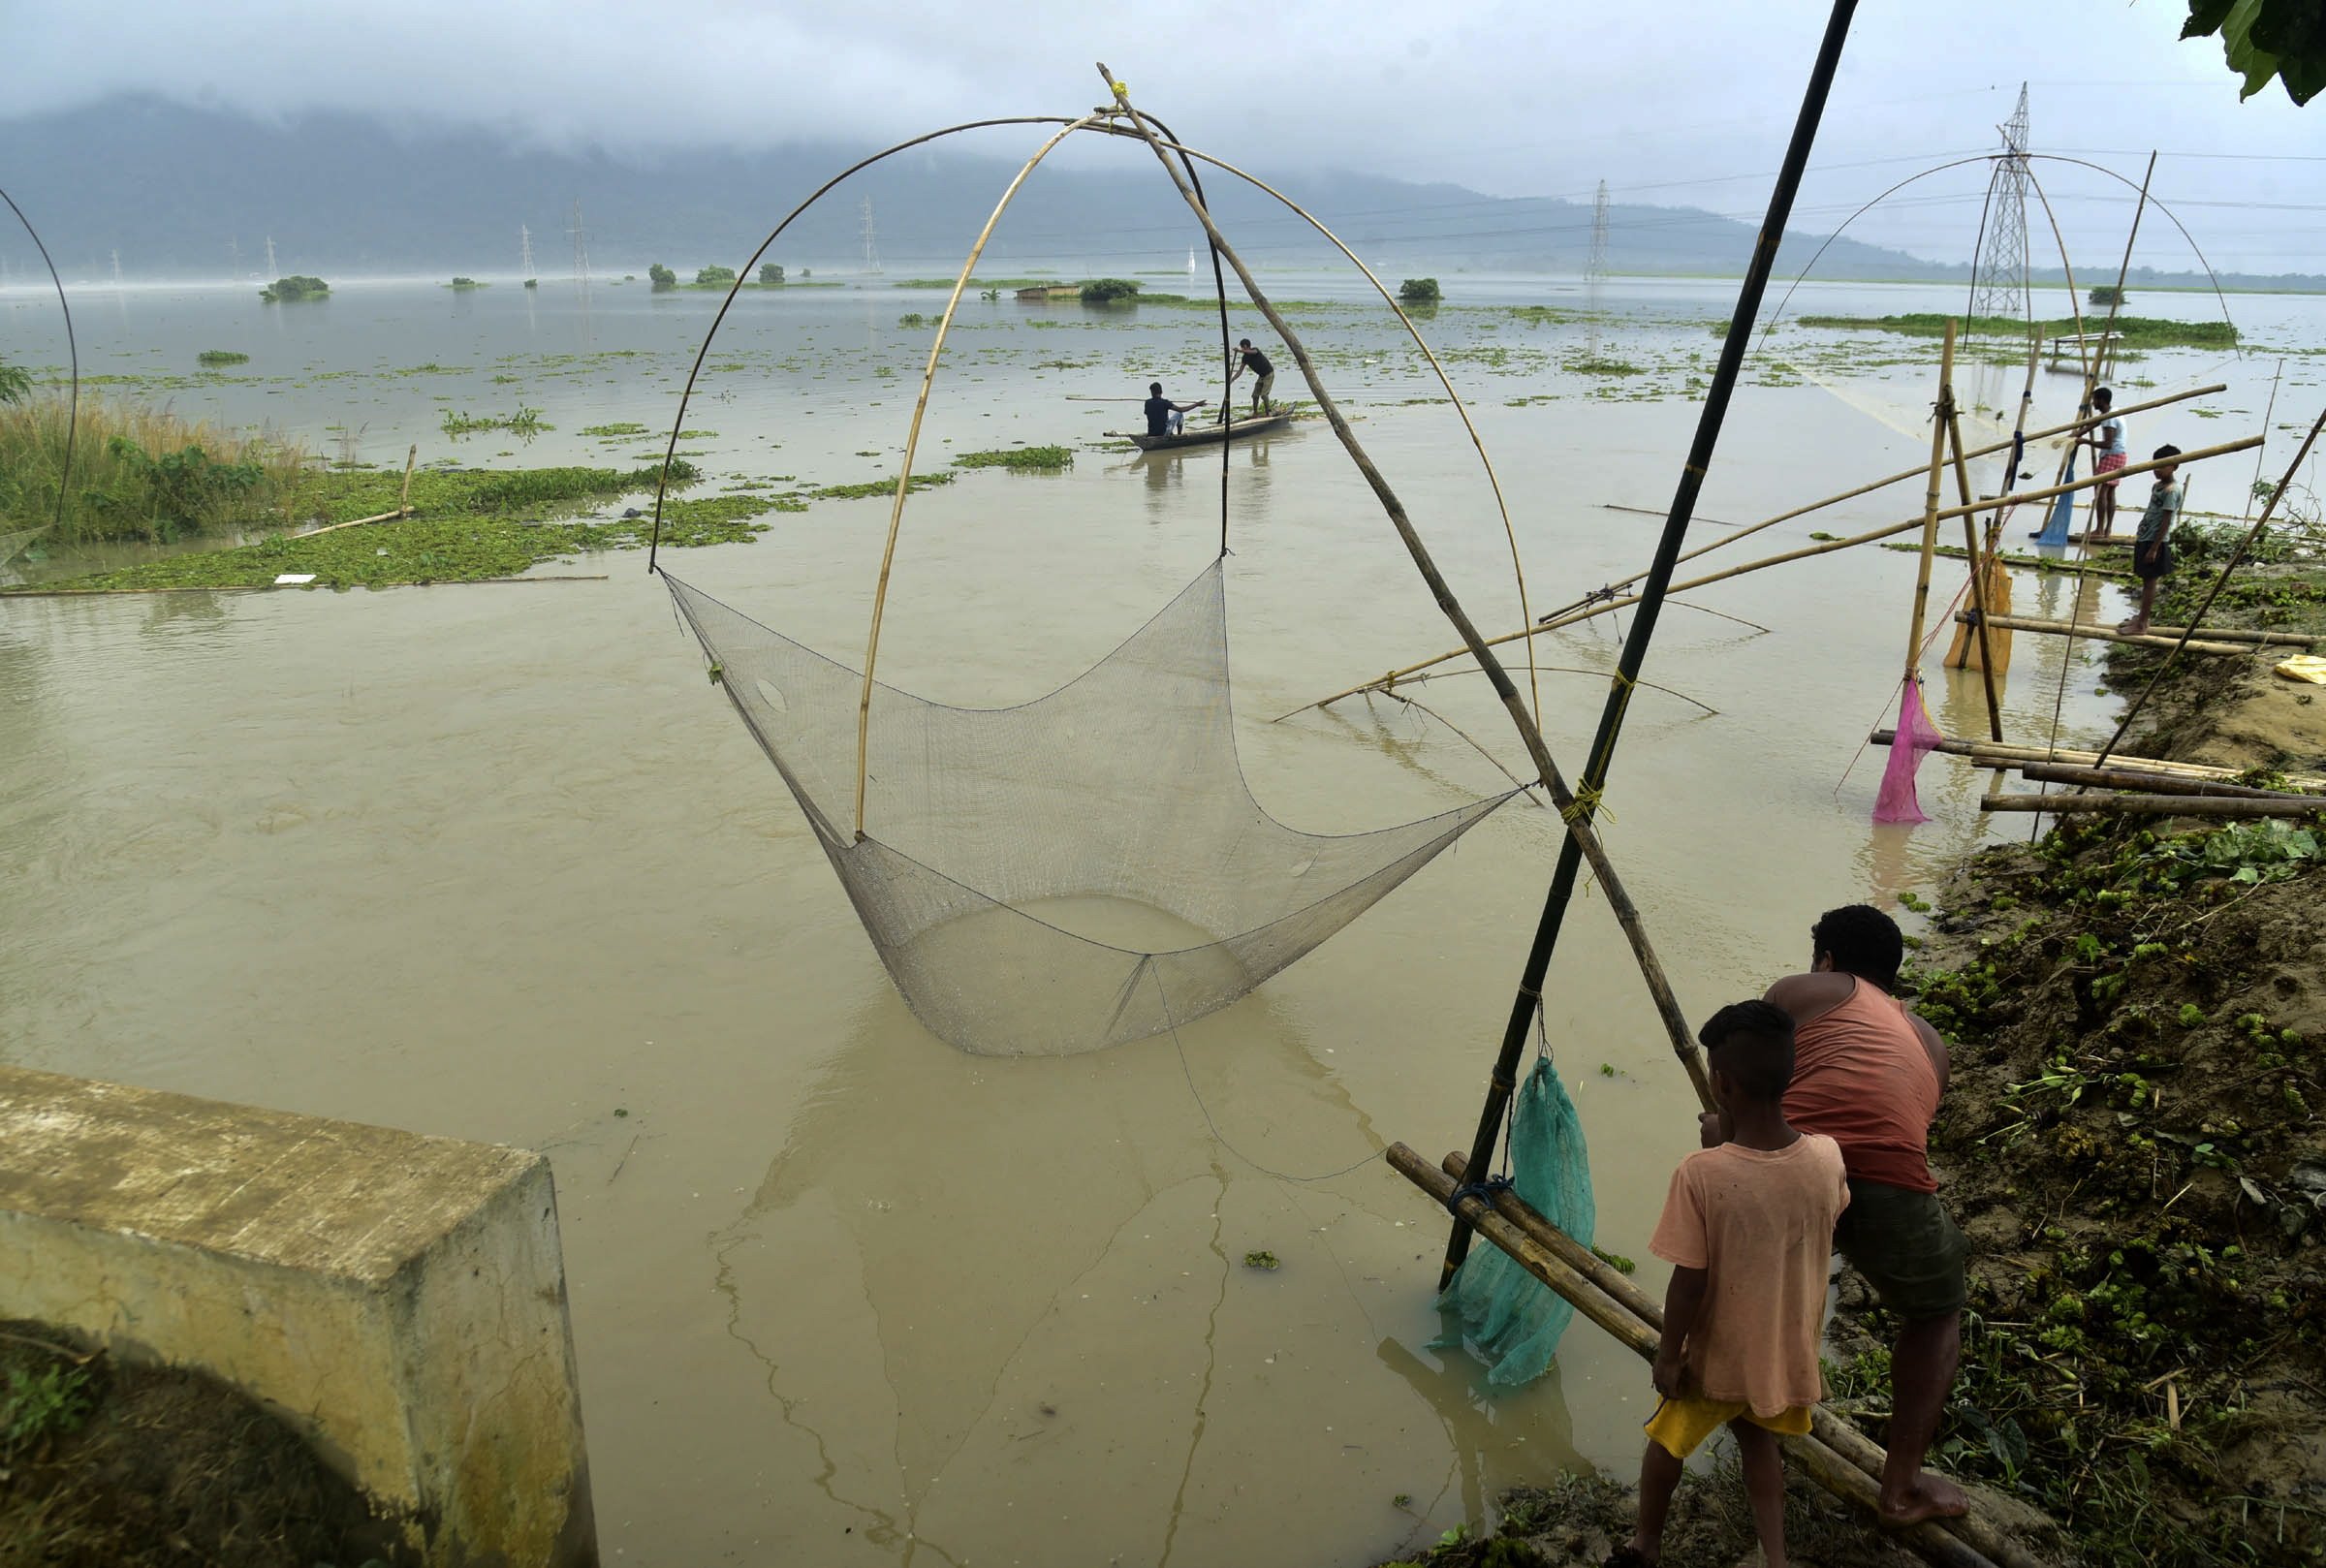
(1163, 415)
(1869, 1074)
(1248, 358)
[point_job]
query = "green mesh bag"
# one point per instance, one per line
(1509, 1318)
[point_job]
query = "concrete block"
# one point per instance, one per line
(399, 1300)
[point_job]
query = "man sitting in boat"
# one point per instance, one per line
(1163, 415)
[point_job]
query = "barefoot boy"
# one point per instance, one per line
(1747, 1227)
(2153, 545)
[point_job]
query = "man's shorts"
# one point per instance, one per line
(1263, 387)
(2108, 463)
(1680, 1425)
(1907, 1247)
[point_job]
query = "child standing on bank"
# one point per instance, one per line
(1748, 1230)
(2153, 545)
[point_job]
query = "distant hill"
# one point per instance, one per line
(179, 192)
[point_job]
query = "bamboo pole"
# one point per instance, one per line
(1527, 1006)
(2154, 805)
(2142, 778)
(1885, 483)
(2214, 635)
(1987, 754)
(1578, 833)
(404, 501)
(1942, 414)
(1828, 1468)
(912, 439)
(2030, 563)
(2109, 634)
(1977, 1528)
(1981, 580)
(1822, 548)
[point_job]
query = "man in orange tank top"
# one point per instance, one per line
(1868, 1075)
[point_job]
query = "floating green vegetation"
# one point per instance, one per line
(1419, 292)
(2133, 331)
(219, 359)
(1110, 292)
(142, 474)
(878, 486)
(473, 523)
(1538, 315)
(914, 318)
(532, 283)
(298, 286)
(1601, 365)
(623, 428)
(1261, 1259)
(525, 422)
(1020, 459)
(463, 283)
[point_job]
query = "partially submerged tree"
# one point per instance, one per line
(661, 276)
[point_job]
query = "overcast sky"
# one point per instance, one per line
(1679, 102)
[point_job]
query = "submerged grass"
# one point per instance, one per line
(2133, 331)
(143, 474)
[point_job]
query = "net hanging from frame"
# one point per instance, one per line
(998, 841)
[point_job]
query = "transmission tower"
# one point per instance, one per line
(580, 237)
(2001, 286)
(1594, 270)
(871, 241)
(524, 245)
(272, 273)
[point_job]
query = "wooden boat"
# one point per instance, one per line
(1207, 435)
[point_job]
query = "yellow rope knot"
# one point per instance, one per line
(1587, 801)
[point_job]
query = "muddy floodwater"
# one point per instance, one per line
(497, 862)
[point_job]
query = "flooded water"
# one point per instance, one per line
(496, 864)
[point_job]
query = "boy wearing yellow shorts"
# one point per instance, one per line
(1748, 1230)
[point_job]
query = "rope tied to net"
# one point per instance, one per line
(1483, 1191)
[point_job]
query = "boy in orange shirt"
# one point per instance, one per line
(1748, 1229)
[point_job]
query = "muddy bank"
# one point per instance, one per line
(108, 1465)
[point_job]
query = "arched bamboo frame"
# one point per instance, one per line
(1100, 122)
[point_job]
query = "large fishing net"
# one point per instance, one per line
(1081, 870)
(1509, 1317)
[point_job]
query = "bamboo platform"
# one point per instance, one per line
(2157, 637)
(1835, 1455)
(2007, 758)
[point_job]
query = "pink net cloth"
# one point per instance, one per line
(1916, 736)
